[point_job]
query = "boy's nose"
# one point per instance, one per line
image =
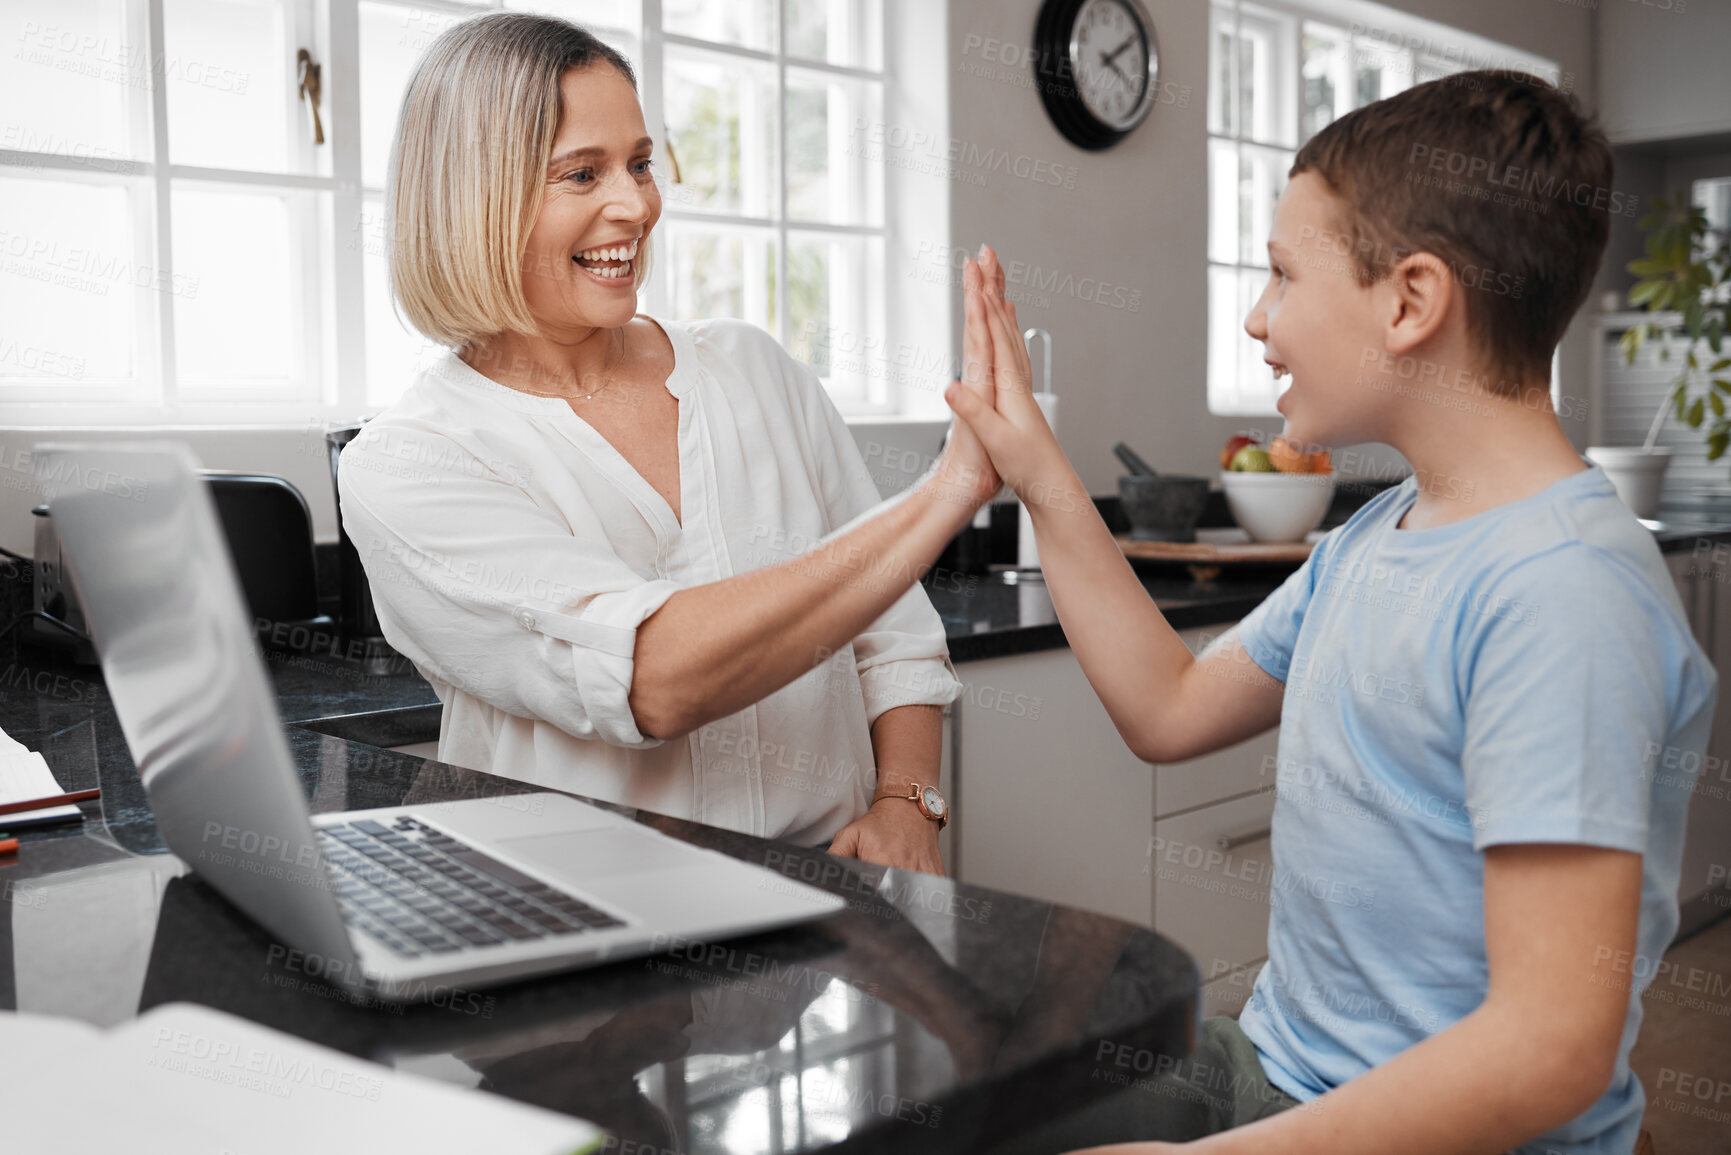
(1256, 324)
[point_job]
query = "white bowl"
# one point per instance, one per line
(1278, 506)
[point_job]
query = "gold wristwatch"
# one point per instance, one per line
(932, 804)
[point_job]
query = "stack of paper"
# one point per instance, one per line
(25, 775)
(187, 1080)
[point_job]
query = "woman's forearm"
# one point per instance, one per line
(714, 649)
(908, 746)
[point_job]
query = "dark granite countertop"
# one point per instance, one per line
(929, 1016)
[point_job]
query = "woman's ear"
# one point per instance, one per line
(1421, 292)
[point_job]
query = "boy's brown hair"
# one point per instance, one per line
(1498, 174)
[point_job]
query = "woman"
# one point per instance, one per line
(577, 522)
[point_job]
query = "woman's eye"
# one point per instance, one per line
(582, 176)
(643, 167)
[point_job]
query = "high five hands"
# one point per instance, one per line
(1002, 433)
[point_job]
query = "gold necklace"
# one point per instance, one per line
(587, 396)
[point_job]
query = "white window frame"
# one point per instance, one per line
(330, 287)
(1240, 384)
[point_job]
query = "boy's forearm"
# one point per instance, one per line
(1131, 655)
(1487, 1084)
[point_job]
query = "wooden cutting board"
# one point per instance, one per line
(1216, 553)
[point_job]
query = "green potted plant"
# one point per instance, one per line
(1684, 283)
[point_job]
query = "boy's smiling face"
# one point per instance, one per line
(1315, 320)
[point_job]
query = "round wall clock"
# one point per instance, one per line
(1097, 68)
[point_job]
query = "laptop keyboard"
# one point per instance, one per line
(420, 891)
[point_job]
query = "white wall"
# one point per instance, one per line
(1137, 218)
(1662, 68)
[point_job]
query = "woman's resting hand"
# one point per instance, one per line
(892, 833)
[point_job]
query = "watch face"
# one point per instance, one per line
(1109, 52)
(934, 801)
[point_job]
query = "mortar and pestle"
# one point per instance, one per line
(1160, 506)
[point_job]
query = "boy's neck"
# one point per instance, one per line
(1481, 456)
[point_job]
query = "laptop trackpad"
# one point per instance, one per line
(590, 854)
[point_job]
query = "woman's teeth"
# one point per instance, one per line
(617, 253)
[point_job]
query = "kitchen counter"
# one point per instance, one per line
(930, 1016)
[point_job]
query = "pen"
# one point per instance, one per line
(52, 800)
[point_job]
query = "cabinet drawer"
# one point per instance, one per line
(1227, 773)
(1223, 774)
(1212, 870)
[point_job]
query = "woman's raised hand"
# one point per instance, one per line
(965, 465)
(1004, 415)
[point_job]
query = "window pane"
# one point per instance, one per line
(721, 124)
(395, 351)
(232, 99)
(713, 272)
(392, 41)
(830, 178)
(74, 81)
(1327, 80)
(1378, 72)
(847, 32)
(747, 22)
(835, 320)
(244, 328)
(1251, 76)
(1244, 183)
(76, 282)
(1239, 381)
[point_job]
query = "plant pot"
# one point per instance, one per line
(1638, 474)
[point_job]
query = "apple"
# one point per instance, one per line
(1251, 459)
(1233, 445)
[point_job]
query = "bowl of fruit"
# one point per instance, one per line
(1276, 492)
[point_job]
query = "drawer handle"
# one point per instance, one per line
(1234, 841)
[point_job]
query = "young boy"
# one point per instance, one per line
(1425, 259)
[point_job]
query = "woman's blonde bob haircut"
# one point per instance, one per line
(469, 171)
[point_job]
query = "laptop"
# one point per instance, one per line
(400, 902)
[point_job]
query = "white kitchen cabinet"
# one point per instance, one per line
(1049, 801)
(1704, 585)
(1212, 872)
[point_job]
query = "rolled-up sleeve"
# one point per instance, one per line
(486, 590)
(903, 658)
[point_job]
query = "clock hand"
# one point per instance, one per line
(1119, 51)
(1115, 70)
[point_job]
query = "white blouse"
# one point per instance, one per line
(512, 553)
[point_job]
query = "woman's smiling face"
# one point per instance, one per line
(580, 265)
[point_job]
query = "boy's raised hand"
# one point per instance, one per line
(1004, 415)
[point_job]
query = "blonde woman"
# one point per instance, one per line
(580, 523)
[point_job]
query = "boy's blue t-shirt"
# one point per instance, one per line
(1523, 675)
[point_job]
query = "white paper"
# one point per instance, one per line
(24, 775)
(187, 1080)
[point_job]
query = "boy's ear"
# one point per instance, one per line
(1421, 293)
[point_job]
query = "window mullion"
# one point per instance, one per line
(162, 206)
(348, 268)
(782, 294)
(658, 299)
